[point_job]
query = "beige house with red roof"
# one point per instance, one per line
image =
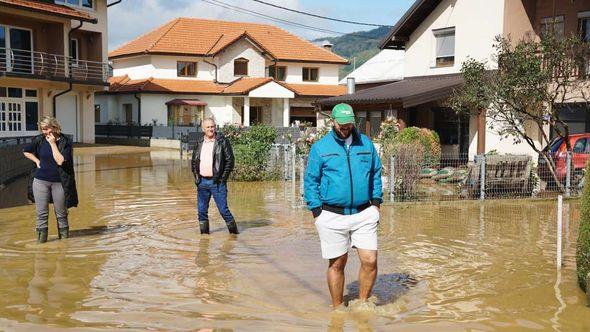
(53, 58)
(241, 73)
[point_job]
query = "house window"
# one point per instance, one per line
(279, 73)
(445, 47)
(128, 113)
(584, 25)
(96, 113)
(241, 67)
(16, 48)
(74, 51)
(186, 69)
(552, 26)
(310, 74)
(18, 111)
(76, 3)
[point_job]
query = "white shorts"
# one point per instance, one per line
(339, 232)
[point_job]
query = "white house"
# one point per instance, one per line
(437, 37)
(241, 73)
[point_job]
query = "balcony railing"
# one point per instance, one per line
(51, 66)
(573, 68)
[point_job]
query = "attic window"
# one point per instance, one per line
(445, 47)
(241, 67)
(186, 69)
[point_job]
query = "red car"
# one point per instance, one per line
(556, 150)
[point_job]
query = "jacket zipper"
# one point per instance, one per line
(349, 175)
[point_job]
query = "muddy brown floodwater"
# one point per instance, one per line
(136, 261)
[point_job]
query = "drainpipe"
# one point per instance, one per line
(69, 70)
(138, 108)
(214, 65)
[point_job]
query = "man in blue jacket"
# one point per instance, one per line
(343, 191)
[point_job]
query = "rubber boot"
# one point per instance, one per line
(232, 227)
(204, 226)
(42, 235)
(64, 233)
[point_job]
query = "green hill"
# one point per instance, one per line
(362, 45)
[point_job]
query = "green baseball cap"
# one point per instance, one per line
(343, 114)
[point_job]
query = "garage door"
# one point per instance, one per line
(67, 115)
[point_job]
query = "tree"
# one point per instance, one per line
(523, 97)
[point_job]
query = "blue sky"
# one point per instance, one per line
(132, 18)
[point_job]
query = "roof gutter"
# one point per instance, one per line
(114, 3)
(402, 21)
(69, 70)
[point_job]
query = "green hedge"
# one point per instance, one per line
(427, 138)
(583, 246)
(251, 151)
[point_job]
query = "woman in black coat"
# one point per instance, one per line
(52, 181)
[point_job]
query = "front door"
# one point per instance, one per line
(453, 131)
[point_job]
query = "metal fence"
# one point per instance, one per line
(12, 162)
(410, 178)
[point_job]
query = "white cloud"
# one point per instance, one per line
(132, 18)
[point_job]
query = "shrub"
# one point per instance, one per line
(388, 130)
(583, 246)
(251, 151)
(425, 137)
(309, 137)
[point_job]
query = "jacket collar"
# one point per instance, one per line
(218, 137)
(356, 137)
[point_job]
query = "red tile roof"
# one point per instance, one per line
(203, 37)
(242, 86)
(124, 84)
(48, 8)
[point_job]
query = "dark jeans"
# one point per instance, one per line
(205, 190)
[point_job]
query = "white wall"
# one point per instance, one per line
(272, 90)
(500, 144)
(160, 66)
(240, 49)
(328, 73)
(135, 67)
(165, 67)
(476, 23)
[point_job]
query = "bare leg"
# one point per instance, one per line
(336, 279)
(367, 272)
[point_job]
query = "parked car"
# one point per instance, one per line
(556, 150)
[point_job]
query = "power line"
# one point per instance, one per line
(272, 18)
(319, 16)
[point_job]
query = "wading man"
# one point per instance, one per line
(212, 163)
(343, 191)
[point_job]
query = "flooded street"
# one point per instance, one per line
(136, 260)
